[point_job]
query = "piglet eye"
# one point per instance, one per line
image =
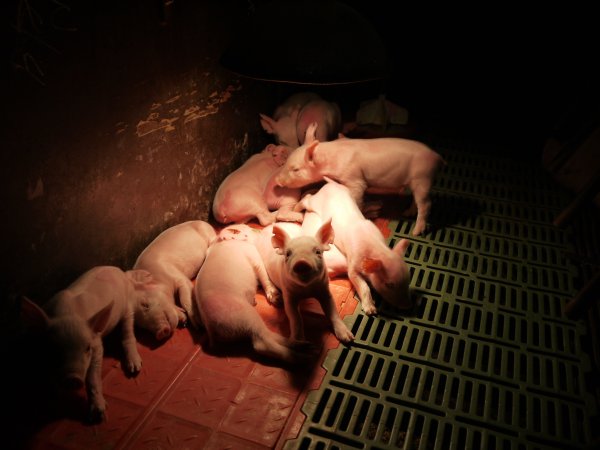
(145, 305)
(318, 251)
(296, 169)
(88, 349)
(288, 253)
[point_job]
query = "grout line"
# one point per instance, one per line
(132, 432)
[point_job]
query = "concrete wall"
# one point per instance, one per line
(116, 127)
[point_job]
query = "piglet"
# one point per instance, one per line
(296, 266)
(251, 191)
(369, 259)
(173, 258)
(335, 260)
(225, 296)
(385, 165)
(75, 320)
(292, 118)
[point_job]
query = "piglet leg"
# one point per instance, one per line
(270, 344)
(97, 403)
(357, 190)
(287, 214)
(132, 356)
(363, 291)
(271, 292)
(292, 312)
(185, 294)
(266, 218)
(372, 209)
(340, 329)
(420, 190)
(283, 200)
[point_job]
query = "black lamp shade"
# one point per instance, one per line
(307, 42)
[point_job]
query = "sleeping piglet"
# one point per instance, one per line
(369, 259)
(225, 296)
(75, 320)
(173, 258)
(292, 118)
(384, 165)
(250, 191)
(296, 266)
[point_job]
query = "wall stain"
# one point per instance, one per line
(121, 127)
(154, 122)
(241, 145)
(151, 125)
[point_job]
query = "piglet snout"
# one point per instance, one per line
(302, 268)
(163, 332)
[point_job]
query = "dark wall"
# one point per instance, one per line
(499, 73)
(117, 125)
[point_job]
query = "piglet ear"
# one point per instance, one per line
(267, 123)
(371, 265)
(310, 151)
(280, 154)
(325, 234)
(279, 239)
(401, 246)
(311, 133)
(99, 320)
(140, 278)
(32, 315)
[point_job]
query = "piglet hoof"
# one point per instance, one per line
(97, 413)
(418, 229)
(274, 297)
(343, 334)
(182, 317)
(266, 218)
(369, 309)
(134, 365)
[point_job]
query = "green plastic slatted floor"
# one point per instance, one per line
(487, 360)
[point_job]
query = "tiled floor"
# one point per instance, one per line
(186, 397)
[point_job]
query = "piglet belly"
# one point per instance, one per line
(276, 196)
(227, 314)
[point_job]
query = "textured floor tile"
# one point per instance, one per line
(224, 441)
(178, 347)
(164, 431)
(156, 373)
(233, 365)
(290, 380)
(76, 435)
(202, 396)
(258, 414)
